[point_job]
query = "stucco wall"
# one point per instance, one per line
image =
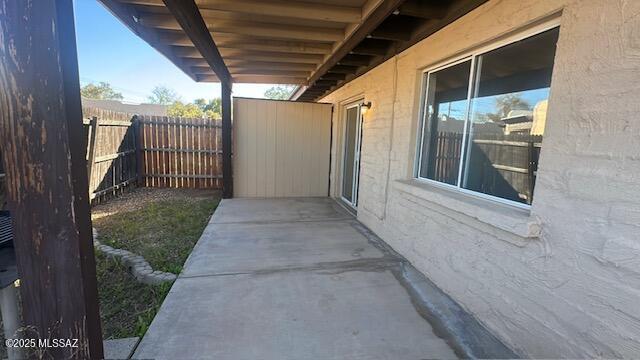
(573, 291)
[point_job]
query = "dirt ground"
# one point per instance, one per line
(137, 198)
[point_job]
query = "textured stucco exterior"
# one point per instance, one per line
(563, 278)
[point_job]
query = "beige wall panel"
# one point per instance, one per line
(281, 148)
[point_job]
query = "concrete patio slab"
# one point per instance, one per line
(239, 248)
(277, 210)
(289, 279)
(116, 349)
(291, 315)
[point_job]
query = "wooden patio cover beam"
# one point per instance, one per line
(375, 18)
(188, 16)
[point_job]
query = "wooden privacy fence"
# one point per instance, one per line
(178, 152)
(125, 149)
(499, 164)
(111, 151)
(447, 157)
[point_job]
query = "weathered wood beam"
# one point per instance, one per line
(257, 29)
(186, 13)
(43, 152)
(290, 9)
(375, 18)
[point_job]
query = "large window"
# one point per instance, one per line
(484, 119)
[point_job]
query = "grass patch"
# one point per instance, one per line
(163, 232)
(127, 307)
(162, 226)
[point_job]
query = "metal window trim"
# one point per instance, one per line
(466, 56)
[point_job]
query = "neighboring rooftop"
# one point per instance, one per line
(126, 107)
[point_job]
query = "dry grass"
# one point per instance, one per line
(162, 225)
(140, 197)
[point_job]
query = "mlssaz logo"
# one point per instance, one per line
(57, 343)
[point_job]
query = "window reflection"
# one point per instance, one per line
(447, 92)
(497, 127)
(508, 116)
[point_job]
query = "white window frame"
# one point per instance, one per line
(466, 56)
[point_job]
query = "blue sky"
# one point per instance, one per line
(110, 52)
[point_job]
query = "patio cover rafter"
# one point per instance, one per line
(284, 33)
(186, 13)
(333, 38)
(308, 11)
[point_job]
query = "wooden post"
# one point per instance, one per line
(227, 171)
(138, 146)
(44, 154)
(91, 157)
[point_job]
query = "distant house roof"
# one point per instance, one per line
(132, 108)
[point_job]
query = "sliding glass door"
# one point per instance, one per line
(351, 154)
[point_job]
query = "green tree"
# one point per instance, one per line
(180, 109)
(280, 92)
(506, 103)
(162, 95)
(101, 91)
(212, 109)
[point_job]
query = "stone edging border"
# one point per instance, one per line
(139, 267)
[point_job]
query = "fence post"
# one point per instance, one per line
(91, 153)
(138, 146)
(531, 168)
